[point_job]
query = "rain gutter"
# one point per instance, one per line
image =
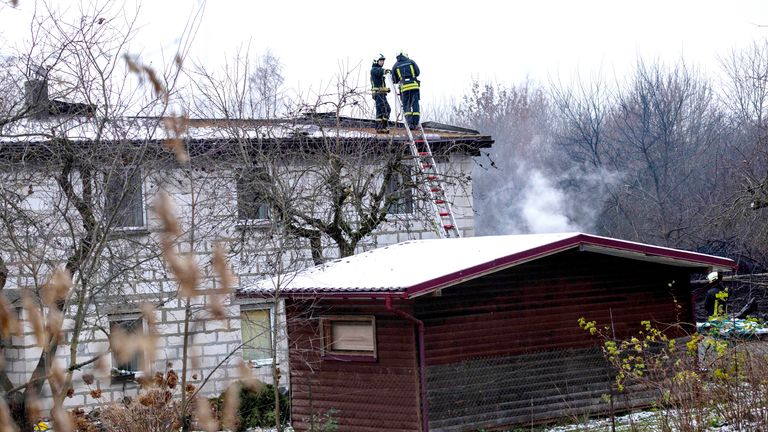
(422, 362)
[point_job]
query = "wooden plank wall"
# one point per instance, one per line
(506, 348)
(364, 396)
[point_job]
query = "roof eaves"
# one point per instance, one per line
(577, 240)
(492, 266)
(695, 258)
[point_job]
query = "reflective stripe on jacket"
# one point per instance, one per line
(405, 73)
(378, 83)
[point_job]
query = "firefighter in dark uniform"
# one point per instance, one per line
(379, 89)
(405, 72)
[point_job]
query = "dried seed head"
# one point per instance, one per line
(35, 319)
(34, 410)
(204, 415)
(102, 365)
(221, 267)
(57, 288)
(88, 379)
(172, 379)
(57, 375)
(124, 346)
(53, 324)
(9, 323)
(164, 209)
(6, 421)
(247, 378)
(226, 280)
(177, 126)
(231, 405)
(62, 422)
(188, 274)
(195, 355)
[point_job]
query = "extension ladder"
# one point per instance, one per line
(428, 177)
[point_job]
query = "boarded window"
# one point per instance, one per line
(349, 335)
(400, 190)
(256, 328)
(131, 326)
(124, 203)
(251, 195)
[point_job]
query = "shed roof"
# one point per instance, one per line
(413, 268)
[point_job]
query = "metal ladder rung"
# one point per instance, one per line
(432, 187)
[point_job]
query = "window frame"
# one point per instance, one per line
(113, 209)
(247, 185)
(138, 358)
(326, 326)
(271, 311)
(406, 202)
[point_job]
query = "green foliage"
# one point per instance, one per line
(324, 422)
(257, 408)
(632, 357)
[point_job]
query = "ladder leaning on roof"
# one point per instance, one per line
(428, 177)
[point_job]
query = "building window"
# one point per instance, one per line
(256, 328)
(121, 327)
(251, 198)
(124, 201)
(400, 190)
(349, 335)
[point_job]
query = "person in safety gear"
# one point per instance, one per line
(405, 72)
(379, 89)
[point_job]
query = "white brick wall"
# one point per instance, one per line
(149, 280)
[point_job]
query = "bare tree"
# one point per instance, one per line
(667, 128)
(316, 181)
(68, 192)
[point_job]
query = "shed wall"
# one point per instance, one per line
(380, 395)
(506, 348)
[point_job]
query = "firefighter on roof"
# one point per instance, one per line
(405, 72)
(379, 89)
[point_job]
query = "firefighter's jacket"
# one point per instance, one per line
(405, 73)
(378, 83)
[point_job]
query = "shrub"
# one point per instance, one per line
(257, 407)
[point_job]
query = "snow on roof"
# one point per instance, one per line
(78, 128)
(417, 267)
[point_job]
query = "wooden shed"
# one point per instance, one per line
(471, 333)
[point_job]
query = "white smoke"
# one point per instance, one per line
(542, 206)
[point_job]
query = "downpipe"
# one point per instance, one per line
(422, 362)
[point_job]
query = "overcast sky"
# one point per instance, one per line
(452, 41)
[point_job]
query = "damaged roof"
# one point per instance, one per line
(417, 267)
(199, 133)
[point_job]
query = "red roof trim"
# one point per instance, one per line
(509, 261)
(559, 246)
(704, 260)
(312, 294)
(491, 266)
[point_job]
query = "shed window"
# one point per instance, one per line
(349, 335)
